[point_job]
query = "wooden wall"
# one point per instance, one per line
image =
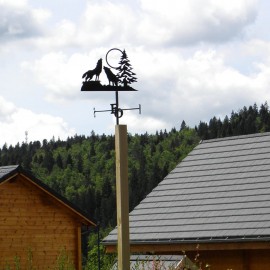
(235, 259)
(32, 220)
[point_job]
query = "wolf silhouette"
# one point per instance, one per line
(88, 75)
(112, 78)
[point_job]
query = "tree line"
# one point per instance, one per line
(246, 121)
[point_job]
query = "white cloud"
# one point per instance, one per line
(196, 88)
(62, 35)
(259, 48)
(14, 122)
(190, 21)
(59, 74)
(152, 23)
(19, 20)
(6, 110)
(140, 123)
(41, 15)
(14, 3)
(107, 23)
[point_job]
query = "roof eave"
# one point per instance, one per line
(242, 239)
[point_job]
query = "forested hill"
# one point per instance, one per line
(83, 168)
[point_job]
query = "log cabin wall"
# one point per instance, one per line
(30, 220)
(234, 259)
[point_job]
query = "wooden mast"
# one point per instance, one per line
(122, 197)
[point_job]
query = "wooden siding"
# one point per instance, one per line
(32, 220)
(237, 259)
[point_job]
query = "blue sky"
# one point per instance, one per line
(193, 60)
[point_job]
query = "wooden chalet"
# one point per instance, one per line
(218, 197)
(36, 221)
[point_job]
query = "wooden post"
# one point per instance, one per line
(79, 248)
(122, 197)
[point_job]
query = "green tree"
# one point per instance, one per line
(106, 260)
(59, 161)
(48, 161)
(183, 125)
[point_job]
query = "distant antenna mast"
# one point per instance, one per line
(26, 137)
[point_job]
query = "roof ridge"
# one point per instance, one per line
(237, 137)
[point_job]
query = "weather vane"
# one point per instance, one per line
(117, 82)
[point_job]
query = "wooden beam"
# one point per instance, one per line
(122, 197)
(79, 247)
(175, 248)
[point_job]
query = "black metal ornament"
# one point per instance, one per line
(117, 82)
(113, 49)
(88, 75)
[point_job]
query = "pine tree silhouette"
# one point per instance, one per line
(125, 73)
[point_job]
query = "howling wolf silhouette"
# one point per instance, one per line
(111, 77)
(88, 75)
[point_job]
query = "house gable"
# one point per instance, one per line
(7, 173)
(34, 218)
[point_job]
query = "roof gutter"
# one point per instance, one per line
(196, 241)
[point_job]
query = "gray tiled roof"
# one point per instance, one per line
(221, 190)
(6, 170)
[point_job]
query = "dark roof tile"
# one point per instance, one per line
(221, 191)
